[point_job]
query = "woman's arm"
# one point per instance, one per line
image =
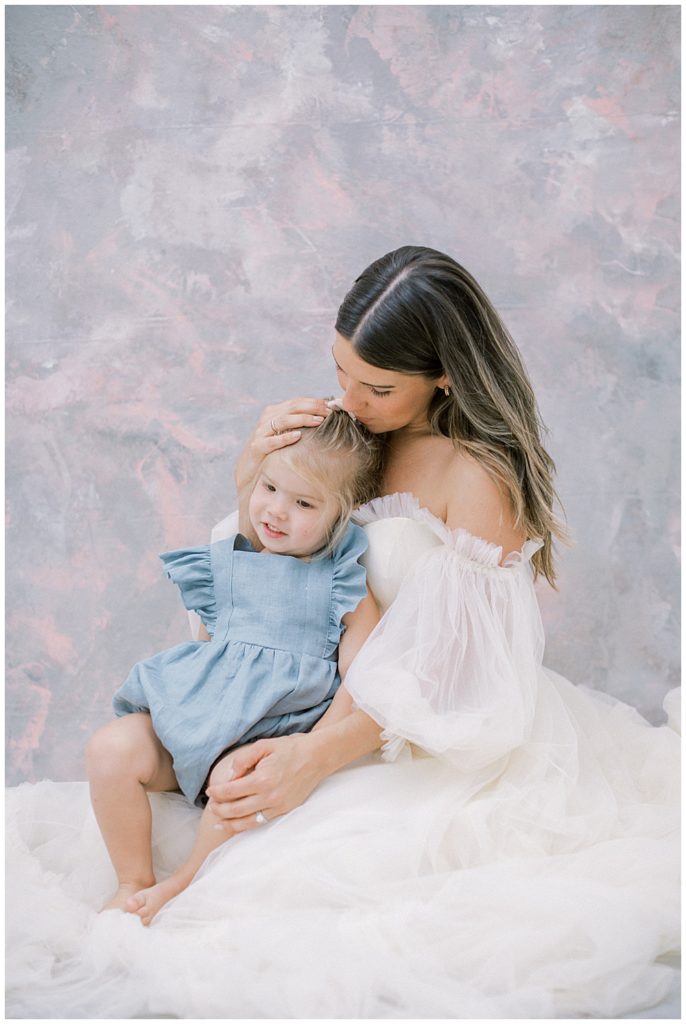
(276, 775)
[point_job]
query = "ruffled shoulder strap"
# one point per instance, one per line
(481, 553)
(191, 570)
(401, 505)
(349, 584)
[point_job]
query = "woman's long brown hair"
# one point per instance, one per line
(417, 311)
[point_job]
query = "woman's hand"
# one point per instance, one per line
(272, 776)
(278, 427)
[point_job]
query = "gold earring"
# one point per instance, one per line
(446, 390)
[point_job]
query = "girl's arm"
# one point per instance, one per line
(276, 775)
(358, 626)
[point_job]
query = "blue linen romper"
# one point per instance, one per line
(271, 665)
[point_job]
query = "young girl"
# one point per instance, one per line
(268, 662)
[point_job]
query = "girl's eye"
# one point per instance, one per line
(380, 394)
(305, 504)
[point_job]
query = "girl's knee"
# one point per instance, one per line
(104, 749)
(124, 745)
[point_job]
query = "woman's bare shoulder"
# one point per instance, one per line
(478, 503)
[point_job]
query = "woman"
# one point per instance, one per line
(529, 867)
(422, 356)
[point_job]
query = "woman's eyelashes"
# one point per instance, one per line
(375, 391)
(342, 377)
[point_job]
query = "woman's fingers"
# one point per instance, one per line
(278, 427)
(271, 442)
(305, 406)
(296, 412)
(247, 758)
(226, 796)
(281, 430)
(275, 781)
(237, 801)
(228, 793)
(241, 810)
(283, 422)
(240, 824)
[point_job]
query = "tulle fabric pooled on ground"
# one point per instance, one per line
(514, 853)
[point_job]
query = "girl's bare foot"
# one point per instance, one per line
(147, 902)
(124, 893)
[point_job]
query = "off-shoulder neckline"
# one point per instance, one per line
(404, 505)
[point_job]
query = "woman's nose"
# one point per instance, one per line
(350, 401)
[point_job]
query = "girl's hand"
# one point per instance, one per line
(272, 776)
(278, 427)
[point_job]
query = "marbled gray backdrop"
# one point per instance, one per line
(191, 191)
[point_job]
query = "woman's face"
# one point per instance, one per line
(382, 399)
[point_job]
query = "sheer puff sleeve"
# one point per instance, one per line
(190, 569)
(453, 665)
(349, 582)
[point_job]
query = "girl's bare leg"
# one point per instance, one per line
(125, 760)
(149, 901)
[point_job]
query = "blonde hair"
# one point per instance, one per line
(344, 459)
(417, 311)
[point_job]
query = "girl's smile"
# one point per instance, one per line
(271, 532)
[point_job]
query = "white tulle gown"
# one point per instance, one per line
(518, 859)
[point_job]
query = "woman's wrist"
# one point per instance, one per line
(334, 746)
(318, 754)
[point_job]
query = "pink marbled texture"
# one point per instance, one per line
(191, 191)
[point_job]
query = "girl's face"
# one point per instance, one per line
(382, 399)
(289, 515)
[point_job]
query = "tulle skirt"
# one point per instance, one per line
(395, 891)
